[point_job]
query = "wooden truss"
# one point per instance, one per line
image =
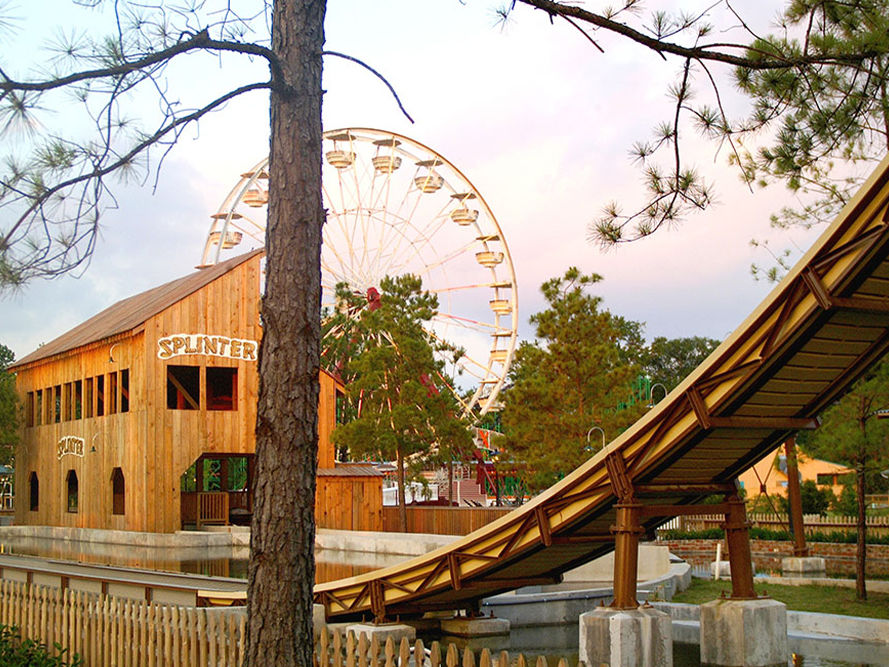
(814, 335)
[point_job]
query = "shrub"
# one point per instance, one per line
(708, 534)
(18, 652)
(778, 535)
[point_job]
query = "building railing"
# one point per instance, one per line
(204, 507)
(212, 508)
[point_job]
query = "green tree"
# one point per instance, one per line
(816, 93)
(9, 407)
(813, 499)
(403, 406)
(847, 502)
(669, 360)
(567, 384)
(851, 433)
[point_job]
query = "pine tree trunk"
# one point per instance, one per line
(402, 501)
(282, 570)
(861, 552)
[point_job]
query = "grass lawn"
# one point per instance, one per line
(821, 599)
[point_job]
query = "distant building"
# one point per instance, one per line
(771, 472)
(143, 417)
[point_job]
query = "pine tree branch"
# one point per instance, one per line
(100, 171)
(200, 41)
(768, 61)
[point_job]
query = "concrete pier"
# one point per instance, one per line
(744, 633)
(383, 631)
(641, 637)
(481, 626)
(808, 566)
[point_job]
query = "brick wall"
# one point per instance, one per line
(767, 554)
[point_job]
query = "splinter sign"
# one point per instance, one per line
(213, 346)
(70, 444)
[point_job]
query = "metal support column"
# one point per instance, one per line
(738, 540)
(626, 554)
(800, 549)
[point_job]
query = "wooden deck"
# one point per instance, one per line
(810, 339)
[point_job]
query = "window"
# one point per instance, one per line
(47, 405)
(125, 390)
(78, 399)
(183, 387)
(118, 491)
(88, 398)
(71, 483)
(38, 407)
(29, 409)
(33, 492)
(825, 478)
(222, 388)
(57, 403)
(67, 402)
(100, 396)
(112, 393)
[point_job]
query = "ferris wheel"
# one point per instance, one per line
(395, 206)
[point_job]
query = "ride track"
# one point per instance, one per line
(818, 331)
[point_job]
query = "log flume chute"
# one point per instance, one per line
(818, 331)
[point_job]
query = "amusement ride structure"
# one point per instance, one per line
(817, 332)
(394, 207)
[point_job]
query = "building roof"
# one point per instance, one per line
(129, 313)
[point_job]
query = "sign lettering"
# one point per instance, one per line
(70, 444)
(211, 346)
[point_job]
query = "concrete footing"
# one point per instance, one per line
(383, 631)
(796, 566)
(722, 569)
(482, 626)
(640, 637)
(319, 619)
(744, 633)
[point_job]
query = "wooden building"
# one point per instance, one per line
(142, 417)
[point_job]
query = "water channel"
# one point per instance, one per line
(553, 642)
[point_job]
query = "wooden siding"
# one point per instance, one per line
(349, 503)
(151, 444)
(442, 520)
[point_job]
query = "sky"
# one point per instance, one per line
(537, 119)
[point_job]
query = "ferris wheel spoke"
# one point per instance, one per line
(461, 288)
(348, 264)
(467, 322)
(343, 274)
(415, 246)
(406, 218)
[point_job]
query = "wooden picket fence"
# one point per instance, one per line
(876, 525)
(334, 650)
(105, 630)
